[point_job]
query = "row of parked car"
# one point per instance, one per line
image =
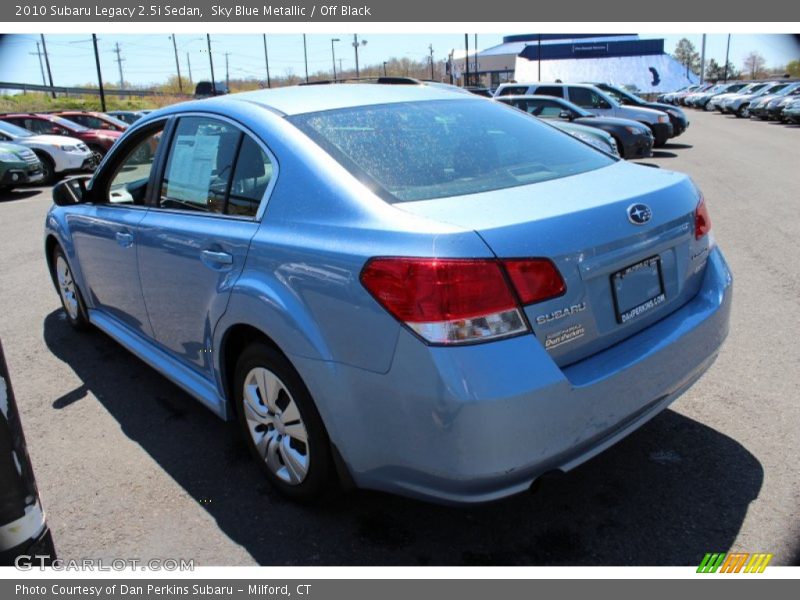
(42, 147)
(613, 116)
(767, 100)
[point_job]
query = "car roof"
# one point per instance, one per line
(300, 99)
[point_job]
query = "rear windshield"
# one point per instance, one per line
(436, 149)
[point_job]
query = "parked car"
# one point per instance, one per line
(791, 112)
(676, 116)
(596, 102)
(759, 107)
(93, 120)
(739, 104)
(18, 166)
(596, 138)
(206, 89)
(127, 116)
(99, 141)
(704, 99)
(59, 155)
(676, 96)
(23, 527)
(416, 291)
(776, 106)
(633, 139)
(716, 102)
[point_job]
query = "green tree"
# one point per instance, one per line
(716, 71)
(686, 54)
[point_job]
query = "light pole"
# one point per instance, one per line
(333, 56)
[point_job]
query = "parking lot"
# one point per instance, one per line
(129, 466)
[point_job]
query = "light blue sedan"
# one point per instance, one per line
(395, 286)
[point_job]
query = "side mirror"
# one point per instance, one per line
(71, 191)
(566, 115)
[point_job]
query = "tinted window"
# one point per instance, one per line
(586, 98)
(200, 165)
(251, 177)
(513, 90)
(550, 90)
(434, 149)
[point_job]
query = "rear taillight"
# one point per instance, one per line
(702, 221)
(452, 301)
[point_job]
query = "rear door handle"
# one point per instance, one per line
(124, 239)
(215, 258)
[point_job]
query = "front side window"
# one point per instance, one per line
(513, 90)
(129, 183)
(200, 165)
(586, 98)
(424, 150)
(215, 167)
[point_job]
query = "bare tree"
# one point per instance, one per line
(754, 63)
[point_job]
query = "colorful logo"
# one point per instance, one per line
(734, 562)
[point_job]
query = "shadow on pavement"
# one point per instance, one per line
(17, 194)
(666, 495)
(663, 154)
(676, 146)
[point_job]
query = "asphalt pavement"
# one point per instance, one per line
(129, 466)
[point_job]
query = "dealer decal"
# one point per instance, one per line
(570, 334)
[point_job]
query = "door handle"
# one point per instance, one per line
(124, 239)
(216, 258)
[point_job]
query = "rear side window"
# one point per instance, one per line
(251, 177)
(550, 90)
(513, 90)
(424, 150)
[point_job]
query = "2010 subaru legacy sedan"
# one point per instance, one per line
(395, 286)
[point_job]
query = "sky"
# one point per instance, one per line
(149, 58)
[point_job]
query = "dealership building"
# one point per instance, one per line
(620, 59)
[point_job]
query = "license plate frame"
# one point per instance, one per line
(626, 314)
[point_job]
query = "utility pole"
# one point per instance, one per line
(355, 45)
(266, 59)
(227, 73)
(50, 73)
(305, 55)
(384, 68)
(189, 67)
(430, 47)
(727, 51)
(333, 57)
(99, 74)
(703, 60)
(475, 46)
(177, 64)
(211, 63)
(466, 59)
(117, 51)
(41, 64)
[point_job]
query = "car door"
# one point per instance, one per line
(194, 241)
(105, 232)
(591, 100)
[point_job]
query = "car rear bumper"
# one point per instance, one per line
(477, 423)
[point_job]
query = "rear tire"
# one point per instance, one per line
(71, 298)
(281, 425)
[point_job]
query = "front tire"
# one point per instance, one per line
(71, 299)
(48, 169)
(281, 425)
(743, 111)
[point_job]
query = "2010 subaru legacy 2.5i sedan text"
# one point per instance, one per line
(398, 286)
